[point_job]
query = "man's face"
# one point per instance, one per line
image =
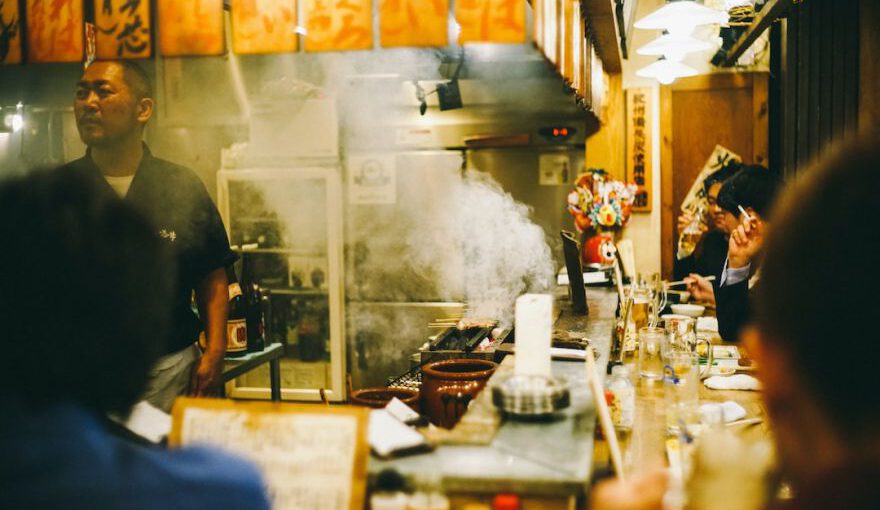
(721, 219)
(105, 107)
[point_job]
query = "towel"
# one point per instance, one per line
(732, 411)
(709, 324)
(732, 382)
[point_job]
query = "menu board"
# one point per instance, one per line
(413, 23)
(336, 25)
(123, 28)
(54, 30)
(10, 31)
(194, 27)
(497, 21)
(312, 457)
(264, 26)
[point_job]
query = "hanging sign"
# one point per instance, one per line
(498, 21)
(638, 146)
(264, 26)
(10, 32)
(54, 30)
(194, 27)
(413, 23)
(123, 29)
(337, 25)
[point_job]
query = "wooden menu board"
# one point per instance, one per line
(190, 28)
(413, 23)
(264, 26)
(54, 31)
(312, 457)
(10, 32)
(497, 21)
(123, 29)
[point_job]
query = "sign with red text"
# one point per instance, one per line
(264, 26)
(413, 23)
(54, 30)
(123, 29)
(10, 32)
(498, 21)
(193, 27)
(338, 25)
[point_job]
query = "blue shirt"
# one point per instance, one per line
(62, 457)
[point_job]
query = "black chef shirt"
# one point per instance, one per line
(176, 201)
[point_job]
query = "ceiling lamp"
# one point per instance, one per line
(674, 47)
(666, 71)
(681, 17)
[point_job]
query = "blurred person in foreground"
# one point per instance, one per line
(85, 294)
(815, 352)
(112, 105)
(709, 255)
(752, 189)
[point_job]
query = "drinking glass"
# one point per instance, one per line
(651, 342)
(641, 307)
(681, 389)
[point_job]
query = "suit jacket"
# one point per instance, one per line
(732, 308)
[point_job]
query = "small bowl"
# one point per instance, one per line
(674, 316)
(689, 310)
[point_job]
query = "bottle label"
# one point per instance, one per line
(236, 335)
(234, 290)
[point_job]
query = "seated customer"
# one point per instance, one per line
(753, 190)
(78, 346)
(709, 255)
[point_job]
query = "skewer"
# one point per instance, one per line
(604, 415)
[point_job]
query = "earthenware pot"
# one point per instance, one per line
(379, 397)
(448, 386)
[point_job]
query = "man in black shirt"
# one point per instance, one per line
(112, 106)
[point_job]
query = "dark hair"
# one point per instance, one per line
(729, 168)
(136, 78)
(752, 186)
(85, 292)
(819, 281)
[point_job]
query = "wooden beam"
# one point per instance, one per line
(602, 23)
(772, 10)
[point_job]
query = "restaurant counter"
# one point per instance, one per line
(548, 463)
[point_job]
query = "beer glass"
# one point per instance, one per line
(641, 307)
(681, 389)
(651, 342)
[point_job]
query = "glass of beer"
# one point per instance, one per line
(641, 308)
(651, 342)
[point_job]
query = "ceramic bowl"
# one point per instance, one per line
(689, 310)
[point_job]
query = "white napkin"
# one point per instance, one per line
(707, 324)
(732, 410)
(732, 382)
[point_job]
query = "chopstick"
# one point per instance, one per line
(604, 414)
(682, 282)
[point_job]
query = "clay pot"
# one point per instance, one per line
(448, 386)
(379, 397)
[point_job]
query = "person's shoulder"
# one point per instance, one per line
(176, 173)
(209, 477)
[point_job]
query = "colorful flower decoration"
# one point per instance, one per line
(600, 203)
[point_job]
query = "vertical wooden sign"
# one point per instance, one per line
(497, 21)
(638, 145)
(338, 25)
(413, 23)
(10, 32)
(193, 27)
(264, 26)
(55, 30)
(123, 29)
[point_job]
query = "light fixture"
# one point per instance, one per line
(674, 47)
(666, 71)
(13, 120)
(681, 17)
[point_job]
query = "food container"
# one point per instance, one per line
(379, 397)
(448, 387)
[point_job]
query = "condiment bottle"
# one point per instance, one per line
(623, 405)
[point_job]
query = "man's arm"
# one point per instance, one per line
(212, 297)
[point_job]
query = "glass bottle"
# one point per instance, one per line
(623, 406)
(690, 236)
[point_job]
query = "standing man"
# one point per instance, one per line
(113, 104)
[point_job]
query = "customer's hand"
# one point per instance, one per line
(700, 288)
(205, 379)
(746, 241)
(685, 219)
(643, 491)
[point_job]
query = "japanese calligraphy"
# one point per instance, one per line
(499, 21)
(10, 32)
(123, 28)
(413, 23)
(638, 129)
(55, 30)
(194, 27)
(264, 26)
(333, 25)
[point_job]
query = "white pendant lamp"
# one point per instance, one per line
(666, 71)
(681, 17)
(674, 47)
